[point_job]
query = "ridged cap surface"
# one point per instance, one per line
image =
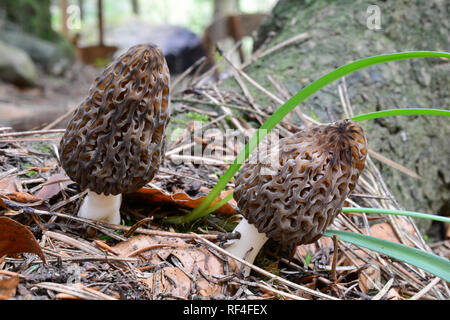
(317, 169)
(115, 140)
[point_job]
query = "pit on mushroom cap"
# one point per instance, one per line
(294, 204)
(115, 141)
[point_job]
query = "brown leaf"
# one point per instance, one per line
(163, 280)
(8, 287)
(312, 248)
(22, 197)
(385, 231)
(40, 169)
(370, 277)
(53, 189)
(158, 196)
(16, 238)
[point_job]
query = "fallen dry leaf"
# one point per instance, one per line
(16, 238)
(8, 287)
(385, 231)
(187, 259)
(372, 273)
(8, 185)
(22, 197)
(158, 196)
(77, 290)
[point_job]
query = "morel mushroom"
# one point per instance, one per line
(295, 203)
(116, 138)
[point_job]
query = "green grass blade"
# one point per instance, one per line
(287, 107)
(220, 203)
(398, 212)
(424, 260)
(403, 112)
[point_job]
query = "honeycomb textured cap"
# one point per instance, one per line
(315, 171)
(115, 140)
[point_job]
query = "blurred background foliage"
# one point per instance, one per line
(195, 15)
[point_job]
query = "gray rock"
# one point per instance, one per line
(339, 34)
(16, 66)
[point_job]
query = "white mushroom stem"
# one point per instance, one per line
(100, 207)
(248, 246)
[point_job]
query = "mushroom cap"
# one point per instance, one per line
(317, 168)
(116, 138)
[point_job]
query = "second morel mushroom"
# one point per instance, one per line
(295, 200)
(116, 138)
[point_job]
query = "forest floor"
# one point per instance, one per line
(145, 258)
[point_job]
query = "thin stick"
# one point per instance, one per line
(28, 140)
(94, 224)
(186, 72)
(81, 258)
(150, 247)
(220, 236)
(195, 158)
(137, 225)
(7, 173)
(262, 89)
(253, 82)
(82, 292)
(334, 261)
(269, 288)
(174, 173)
(393, 164)
(213, 104)
(73, 242)
(383, 291)
(28, 133)
(61, 118)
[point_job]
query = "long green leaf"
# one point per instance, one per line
(287, 107)
(398, 212)
(403, 112)
(424, 260)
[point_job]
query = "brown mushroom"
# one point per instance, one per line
(116, 138)
(294, 200)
